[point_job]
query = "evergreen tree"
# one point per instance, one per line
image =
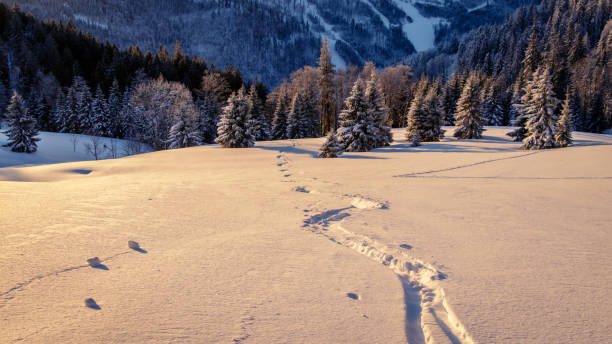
(540, 106)
(565, 125)
(299, 124)
(102, 124)
(357, 132)
(234, 128)
(207, 123)
(491, 108)
(22, 129)
(450, 95)
(256, 111)
(331, 148)
(184, 133)
(327, 100)
(519, 114)
(431, 130)
(115, 105)
(416, 114)
(279, 122)
(378, 111)
(468, 118)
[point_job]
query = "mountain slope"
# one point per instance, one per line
(271, 38)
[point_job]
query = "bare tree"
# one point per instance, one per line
(95, 147)
(74, 138)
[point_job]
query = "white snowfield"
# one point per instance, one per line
(460, 241)
(55, 148)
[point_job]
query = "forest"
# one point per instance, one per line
(551, 60)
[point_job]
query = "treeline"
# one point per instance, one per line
(39, 58)
(571, 38)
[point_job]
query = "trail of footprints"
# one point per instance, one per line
(94, 262)
(438, 322)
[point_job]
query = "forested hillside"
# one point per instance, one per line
(269, 39)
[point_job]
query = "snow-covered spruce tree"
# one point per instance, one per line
(450, 95)
(431, 130)
(540, 104)
(416, 114)
(21, 127)
(262, 131)
(102, 124)
(518, 117)
(299, 124)
(357, 131)
(331, 148)
(565, 124)
(468, 118)
(378, 111)
(184, 133)
(207, 121)
(279, 121)
(115, 106)
(415, 141)
(491, 108)
(79, 106)
(233, 129)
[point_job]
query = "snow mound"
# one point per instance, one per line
(364, 203)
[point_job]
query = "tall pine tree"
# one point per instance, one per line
(540, 104)
(468, 118)
(22, 128)
(235, 128)
(327, 99)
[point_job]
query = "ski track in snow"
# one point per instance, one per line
(420, 174)
(8, 295)
(429, 317)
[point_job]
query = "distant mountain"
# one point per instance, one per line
(270, 38)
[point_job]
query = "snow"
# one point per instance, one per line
(456, 241)
(55, 148)
(421, 32)
(481, 6)
(377, 12)
(328, 33)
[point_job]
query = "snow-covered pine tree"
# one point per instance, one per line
(518, 117)
(233, 129)
(431, 130)
(184, 133)
(416, 114)
(357, 131)
(279, 122)
(540, 104)
(378, 111)
(22, 128)
(331, 148)
(450, 95)
(78, 103)
(262, 131)
(115, 106)
(101, 122)
(468, 118)
(299, 123)
(491, 108)
(39, 110)
(565, 125)
(207, 122)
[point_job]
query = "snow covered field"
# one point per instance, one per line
(55, 148)
(451, 242)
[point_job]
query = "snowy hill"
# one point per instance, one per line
(271, 38)
(459, 241)
(56, 148)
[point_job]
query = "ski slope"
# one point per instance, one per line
(459, 241)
